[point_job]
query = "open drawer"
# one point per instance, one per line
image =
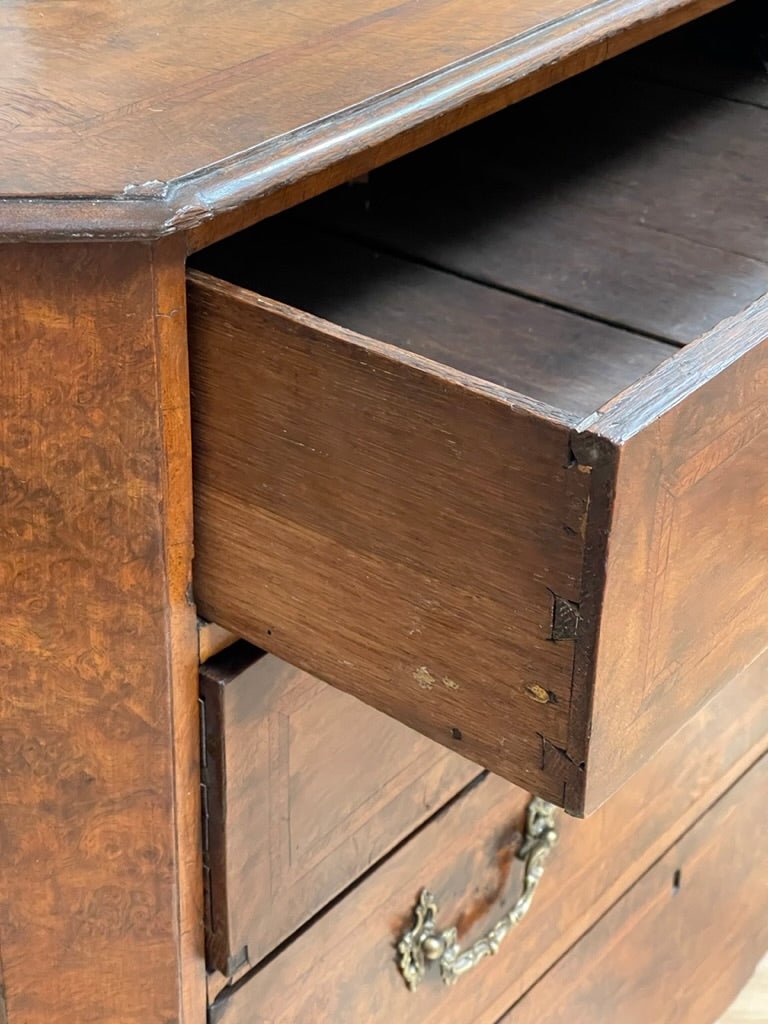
(454, 455)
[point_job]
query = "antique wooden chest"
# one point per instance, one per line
(385, 511)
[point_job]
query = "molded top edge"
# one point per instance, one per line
(138, 124)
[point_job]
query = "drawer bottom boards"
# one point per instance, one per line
(342, 969)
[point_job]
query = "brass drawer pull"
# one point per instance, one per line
(423, 943)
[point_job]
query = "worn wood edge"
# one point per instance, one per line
(174, 412)
(447, 99)
(212, 639)
(212, 792)
(329, 153)
(215, 676)
(446, 376)
(603, 470)
(670, 383)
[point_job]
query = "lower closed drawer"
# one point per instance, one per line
(344, 968)
(683, 941)
(305, 788)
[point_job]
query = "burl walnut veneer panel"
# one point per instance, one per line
(100, 873)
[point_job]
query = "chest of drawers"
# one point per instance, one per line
(422, 349)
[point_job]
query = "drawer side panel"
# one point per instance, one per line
(396, 528)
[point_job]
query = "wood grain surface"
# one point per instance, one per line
(306, 788)
(684, 547)
(258, 98)
(100, 894)
(395, 526)
(343, 968)
(682, 942)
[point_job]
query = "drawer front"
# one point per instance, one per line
(682, 541)
(305, 788)
(682, 943)
(344, 968)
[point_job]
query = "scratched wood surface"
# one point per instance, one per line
(100, 873)
(258, 97)
(343, 967)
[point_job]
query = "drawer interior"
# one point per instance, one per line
(562, 248)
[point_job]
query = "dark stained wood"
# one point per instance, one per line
(169, 119)
(100, 874)
(549, 354)
(681, 944)
(635, 219)
(307, 787)
(681, 536)
(343, 967)
(396, 526)
(723, 54)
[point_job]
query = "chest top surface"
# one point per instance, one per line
(142, 118)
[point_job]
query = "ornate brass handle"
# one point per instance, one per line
(423, 943)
